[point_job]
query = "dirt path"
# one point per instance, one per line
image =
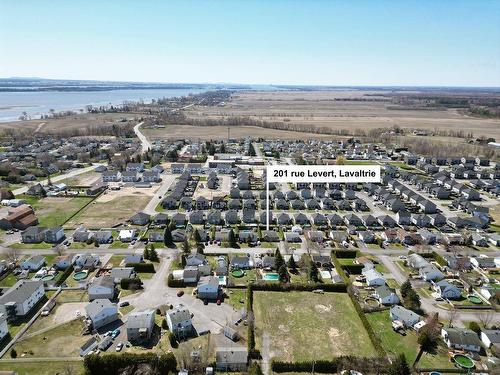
(266, 354)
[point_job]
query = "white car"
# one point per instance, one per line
(119, 347)
(78, 313)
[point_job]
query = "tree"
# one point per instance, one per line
(413, 300)
(283, 274)
(153, 255)
(196, 236)
(429, 334)
(145, 253)
(313, 272)
(475, 327)
(232, 239)
(167, 237)
(340, 160)
(254, 369)
(186, 247)
(485, 318)
(405, 288)
(292, 265)
(399, 366)
(278, 259)
(452, 316)
(13, 353)
(200, 248)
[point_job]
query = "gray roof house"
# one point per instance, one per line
(231, 359)
(101, 312)
(405, 316)
(140, 325)
(179, 321)
(19, 299)
(461, 339)
(102, 287)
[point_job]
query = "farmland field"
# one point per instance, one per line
(300, 326)
(318, 109)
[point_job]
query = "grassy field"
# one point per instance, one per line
(104, 213)
(62, 341)
(394, 343)
(326, 324)
(55, 211)
(320, 109)
(43, 368)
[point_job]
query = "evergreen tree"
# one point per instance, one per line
(313, 272)
(200, 248)
(145, 254)
(196, 236)
(153, 255)
(278, 259)
(405, 288)
(186, 247)
(167, 237)
(292, 265)
(399, 366)
(232, 239)
(283, 273)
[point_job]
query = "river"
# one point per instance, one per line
(13, 104)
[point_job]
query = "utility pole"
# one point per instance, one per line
(228, 133)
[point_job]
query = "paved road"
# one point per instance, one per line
(167, 181)
(60, 177)
(146, 145)
(206, 317)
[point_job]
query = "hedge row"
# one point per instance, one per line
(142, 267)
(353, 269)
(116, 364)
(374, 338)
(340, 253)
(286, 287)
(374, 365)
(64, 276)
(134, 283)
(172, 283)
(439, 259)
(339, 269)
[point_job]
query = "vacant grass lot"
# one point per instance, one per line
(394, 343)
(62, 341)
(43, 368)
(55, 211)
(107, 213)
(300, 326)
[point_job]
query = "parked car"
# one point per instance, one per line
(125, 303)
(115, 333)
(119, 347)
(180, 293)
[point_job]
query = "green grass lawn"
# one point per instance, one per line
(8, 281)
(55, 211)
(119, 245)
(306, 326)
(394, 343)
(125, 310)
(41, 245)
(43, 368)
(250, 275)
(234, 298)
(62, 341)
(115, 261)
(72, 296)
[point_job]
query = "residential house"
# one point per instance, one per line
(208, 288)
(140, 326)
(140, 218)
(33, 234)
(33, 263)
(447, 290)
(19, 299)
(405, 316)
(54, 235)
(231, 359)
(490, 337)
(386, 295)
(461, 339)
(101, 312)
(102, 287)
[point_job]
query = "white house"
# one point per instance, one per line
(126, 235)
(405, 316)
(430, 273)
(461, 339)
(102, 287)
(33, 263)
(21, 298)
(373, 277)
(179, 321)
(101, 312)
(4, 329)
(447, 290)
(490, 337)
(386, 295)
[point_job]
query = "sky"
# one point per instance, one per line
(350, 42)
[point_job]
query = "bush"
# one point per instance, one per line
(339, 253)
(142, 267)
(172, 283)
(115, 364)
(13, 353)
(134, 283)
(173, 340)
(164, 324)
(475, 327)
(64, 276)
(271, 287)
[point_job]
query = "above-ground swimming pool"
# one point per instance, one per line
(80, 275)
(237, 273)
(48, 277)
(463, 361)
(474, 299)
(271, 276)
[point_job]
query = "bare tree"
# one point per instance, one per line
(12, 255)
(485, 318)
(452, 316)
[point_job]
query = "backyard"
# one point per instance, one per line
(394, 343)
(55, 211)
(325, 324)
